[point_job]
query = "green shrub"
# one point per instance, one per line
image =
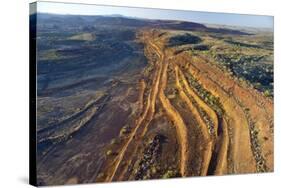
(109, 152)
(267, 93)
(169, 174)
(184, 39)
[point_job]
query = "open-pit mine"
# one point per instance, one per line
(129, 99)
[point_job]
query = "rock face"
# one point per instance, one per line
(117, 104)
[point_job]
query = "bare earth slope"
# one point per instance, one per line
(236, 139)
(156, 110)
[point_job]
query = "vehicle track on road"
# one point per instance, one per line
(143, 121)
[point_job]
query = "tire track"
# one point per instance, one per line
(147, 117)
(254, 143)
(144, 122)
(221, 142)
(221, 167)
(207, 154)
(240, 140)
(174, 115)
(213, 116)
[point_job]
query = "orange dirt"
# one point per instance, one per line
(239, 140)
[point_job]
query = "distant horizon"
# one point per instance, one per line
(229, 19)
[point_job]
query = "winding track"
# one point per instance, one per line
(203, 127)
(158, 87)
(176, 118)
(224, 148)
(145, 118)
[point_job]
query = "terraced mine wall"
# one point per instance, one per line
(231, 124)
(168, 115)
(249, 116)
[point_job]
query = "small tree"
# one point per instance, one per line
(267, 93)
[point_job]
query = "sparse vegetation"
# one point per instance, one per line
(169, 174)
(109, 152)
(112, 105)
(184, 39)
(125, 130)
(211, 100)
